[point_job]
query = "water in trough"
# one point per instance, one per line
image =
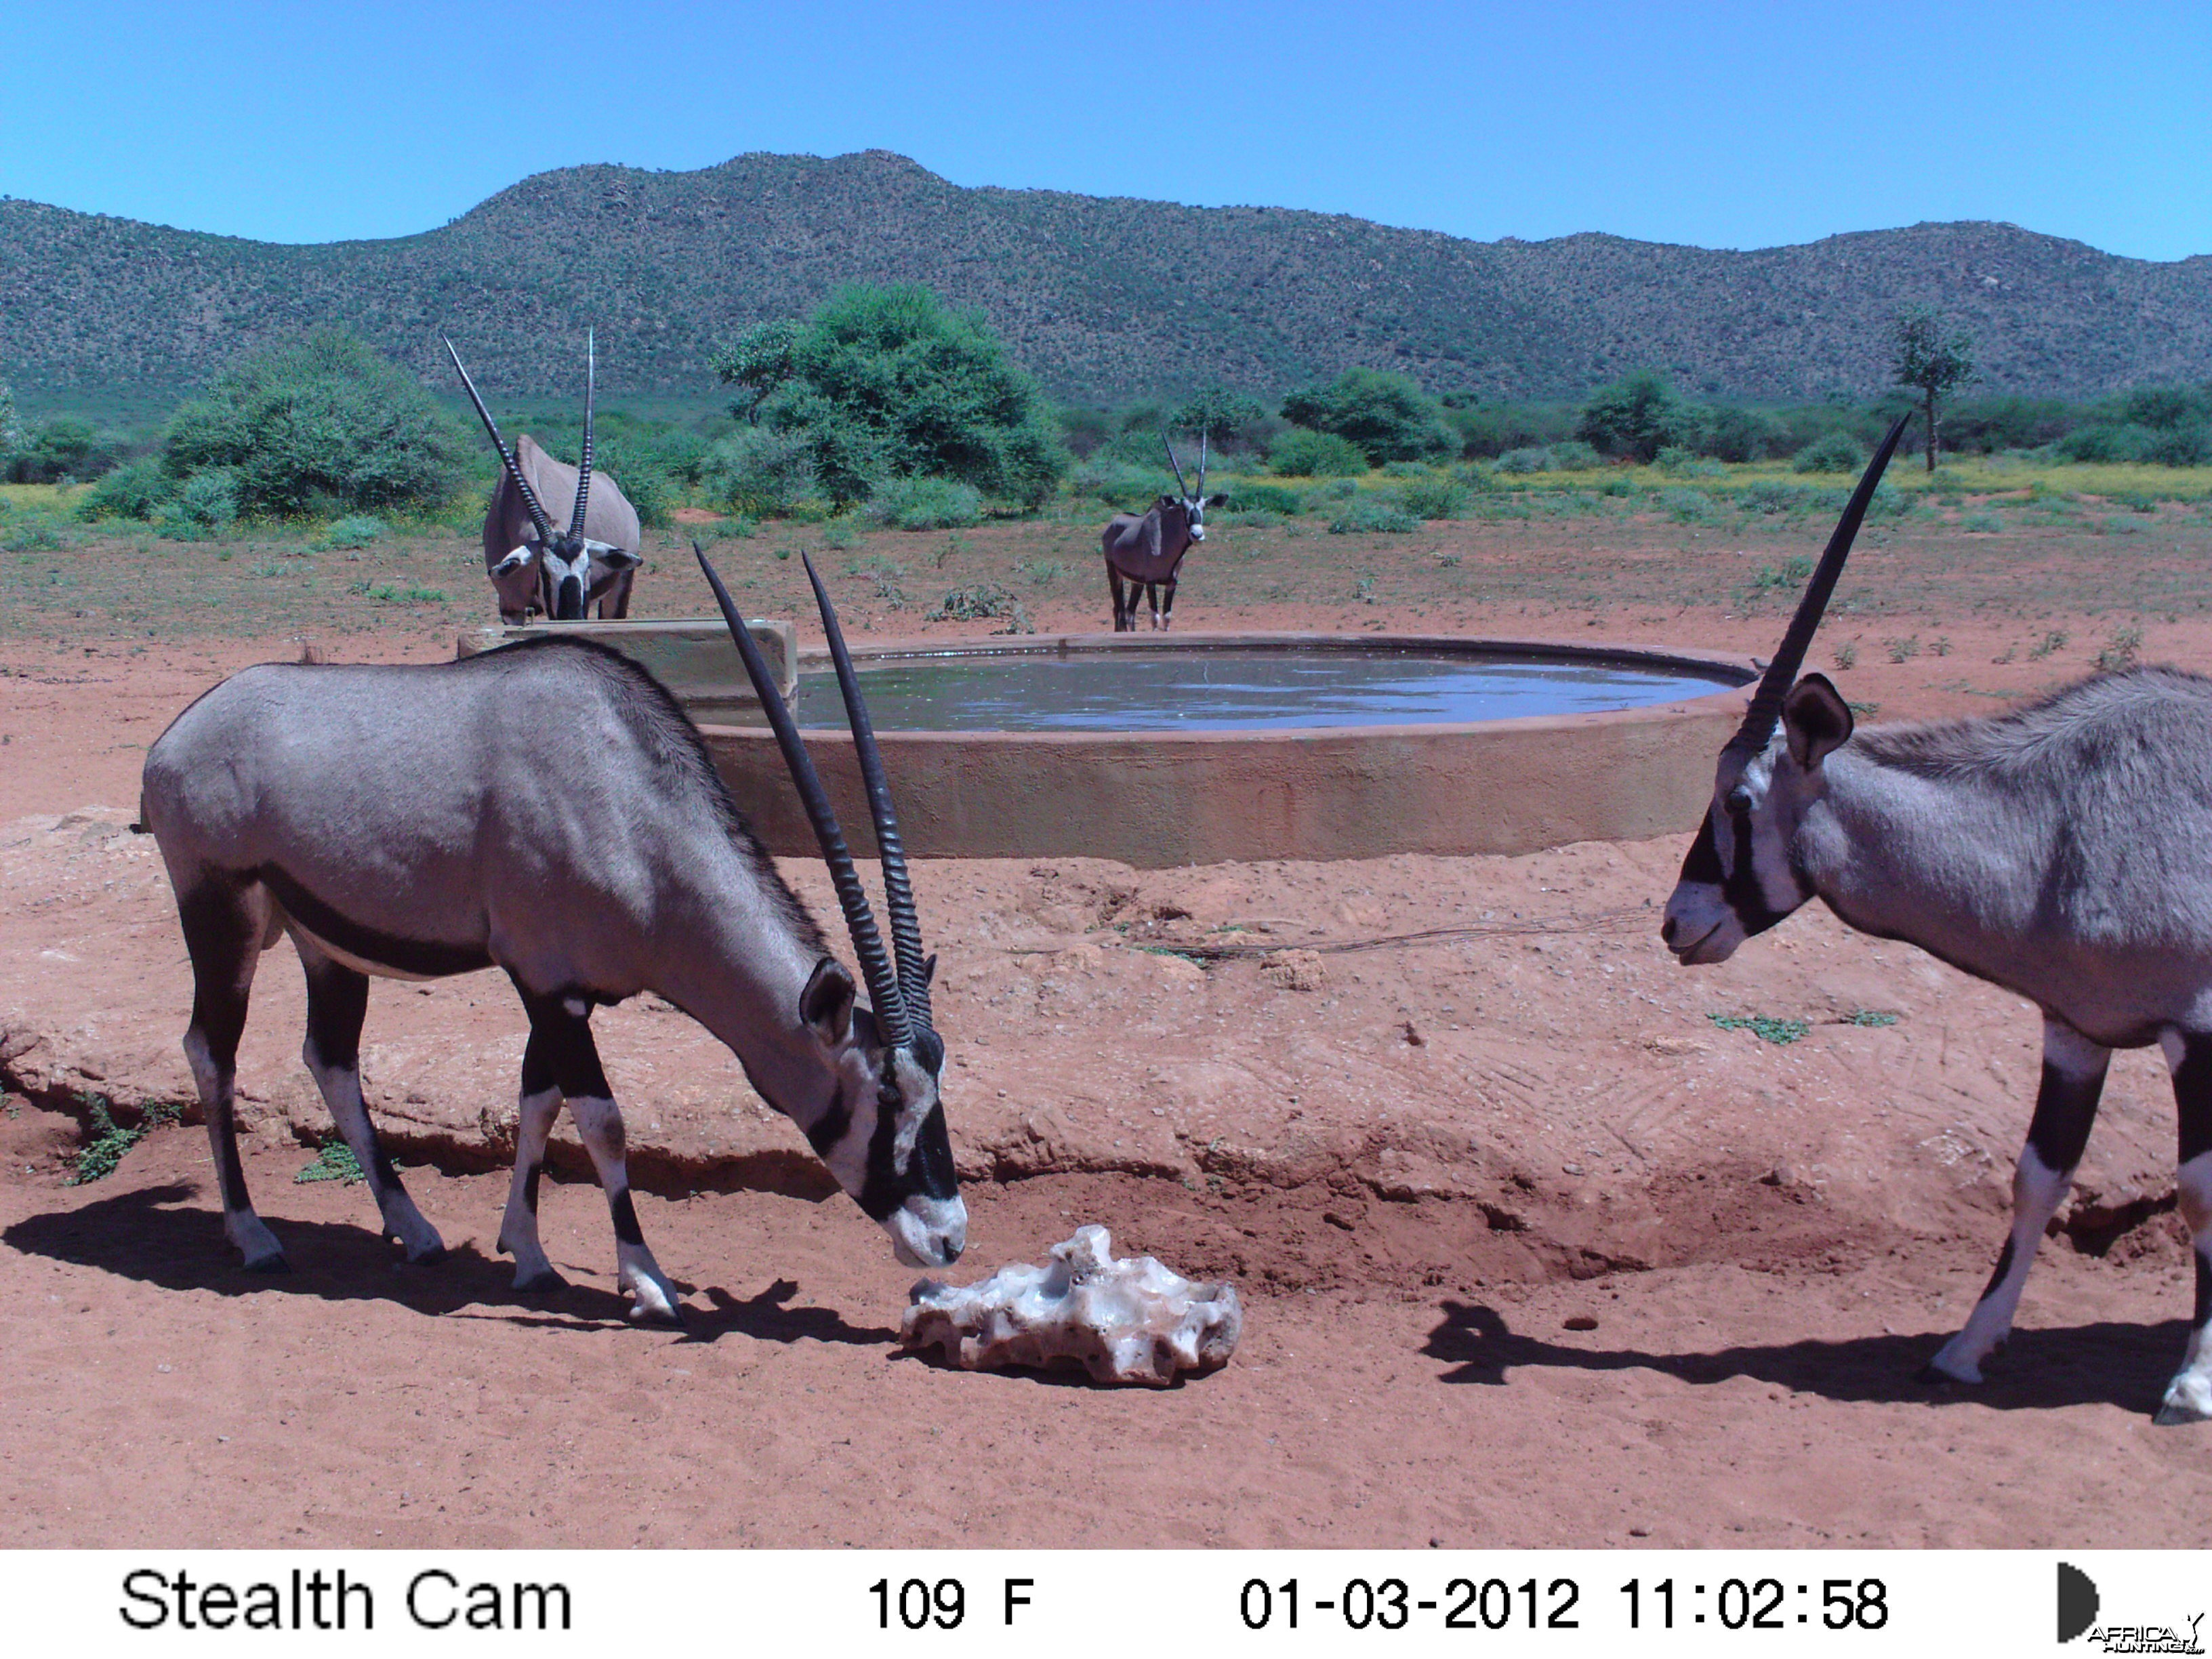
(1220, 689)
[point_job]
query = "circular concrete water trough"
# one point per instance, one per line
(1208, 775)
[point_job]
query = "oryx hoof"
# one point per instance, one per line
(273, 1262)
(544, 1282)
(655, 1312)
(2188, 1400)
(1935, 1376)
(430, 1257)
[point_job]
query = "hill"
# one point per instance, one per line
(1102, 297)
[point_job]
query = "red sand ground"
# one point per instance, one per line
(1770, 1240)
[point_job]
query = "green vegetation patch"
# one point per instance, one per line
(334, 1162)
(1765, 1027)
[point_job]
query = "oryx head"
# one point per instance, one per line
(1739, 878)
(883, 1133)
(1192, 507)
(570, 566)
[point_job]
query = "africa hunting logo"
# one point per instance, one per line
(2079, 1605)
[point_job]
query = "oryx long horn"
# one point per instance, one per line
(867, 943)
(583, 472)
(1201, 461)
(1174, 463)
(1759, 721)
(898, 891)
(507, 459)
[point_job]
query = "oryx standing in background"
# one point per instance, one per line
(1148, 549)
(2063, 850)
(545, 809)
(531, 566)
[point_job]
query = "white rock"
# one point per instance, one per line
(1130, 1321)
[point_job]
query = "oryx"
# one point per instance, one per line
(2063, 850)
(532, 566)
(403, 821)
(1147, 548)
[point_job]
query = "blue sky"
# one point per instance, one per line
(1723, 126)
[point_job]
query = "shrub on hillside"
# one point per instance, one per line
(925, 504)
(1389, 417)
(319, 424)
(63, 450)
(1838, 451)
(1301, 453)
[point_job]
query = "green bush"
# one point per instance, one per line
(1838, 451)
(1302, 453)
(205, 505)
(1685, 506)
(63, 450)
(1373, 512)
(1387, 416)
(889, 383)
(358, 530)
(1573, 455)
(1121, 485)
(1731, 434)
(1520, 461)
(137, 490)
(925, 504)
(1253, 497)
(758, 470)
(1771, 495)
(319, 424)
(1433, 498)
(1636, 415)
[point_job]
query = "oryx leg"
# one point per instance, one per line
(2189, 1396)
(518, 1228)
(564, 1054)
(2065, 1106)
(225, 926)
(1167, 603)
(338, 1001)
(1125, 609)
(1151, 604)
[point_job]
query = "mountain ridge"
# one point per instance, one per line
(1102, 297)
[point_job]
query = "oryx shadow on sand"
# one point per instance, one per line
(2126, 1366)
(166, 1237)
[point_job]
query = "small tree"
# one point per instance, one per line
(1930, 361)
(1223, 413)
(759, 361)
(322, 423)
(889, 383)
(11, 433)
(1636, 415)
(1389, 417)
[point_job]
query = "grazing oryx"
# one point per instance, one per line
(2063, 851)
(1148, 549)
(532, 566)
(403, 821)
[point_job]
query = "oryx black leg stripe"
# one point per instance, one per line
(561, 1053)
(2065, 1107)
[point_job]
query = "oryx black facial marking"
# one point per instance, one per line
(2056, 851)
(390, 818)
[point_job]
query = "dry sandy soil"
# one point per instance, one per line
(1430, 1164)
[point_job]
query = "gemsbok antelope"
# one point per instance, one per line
(404, 821)
(2063, 850)
(532, 566)
(1147, 548)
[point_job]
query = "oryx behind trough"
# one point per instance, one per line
(2063, 851)
(535, 567)
(545, 809)
(1147, 548)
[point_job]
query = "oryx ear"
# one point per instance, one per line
(929, 969)
(513, 561)
(617, 558)
(1217, 498)
(826, 1004)
(1816, 719)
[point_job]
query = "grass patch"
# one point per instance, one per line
(1765, 1027)
(99, 1158)
(334, 1162)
